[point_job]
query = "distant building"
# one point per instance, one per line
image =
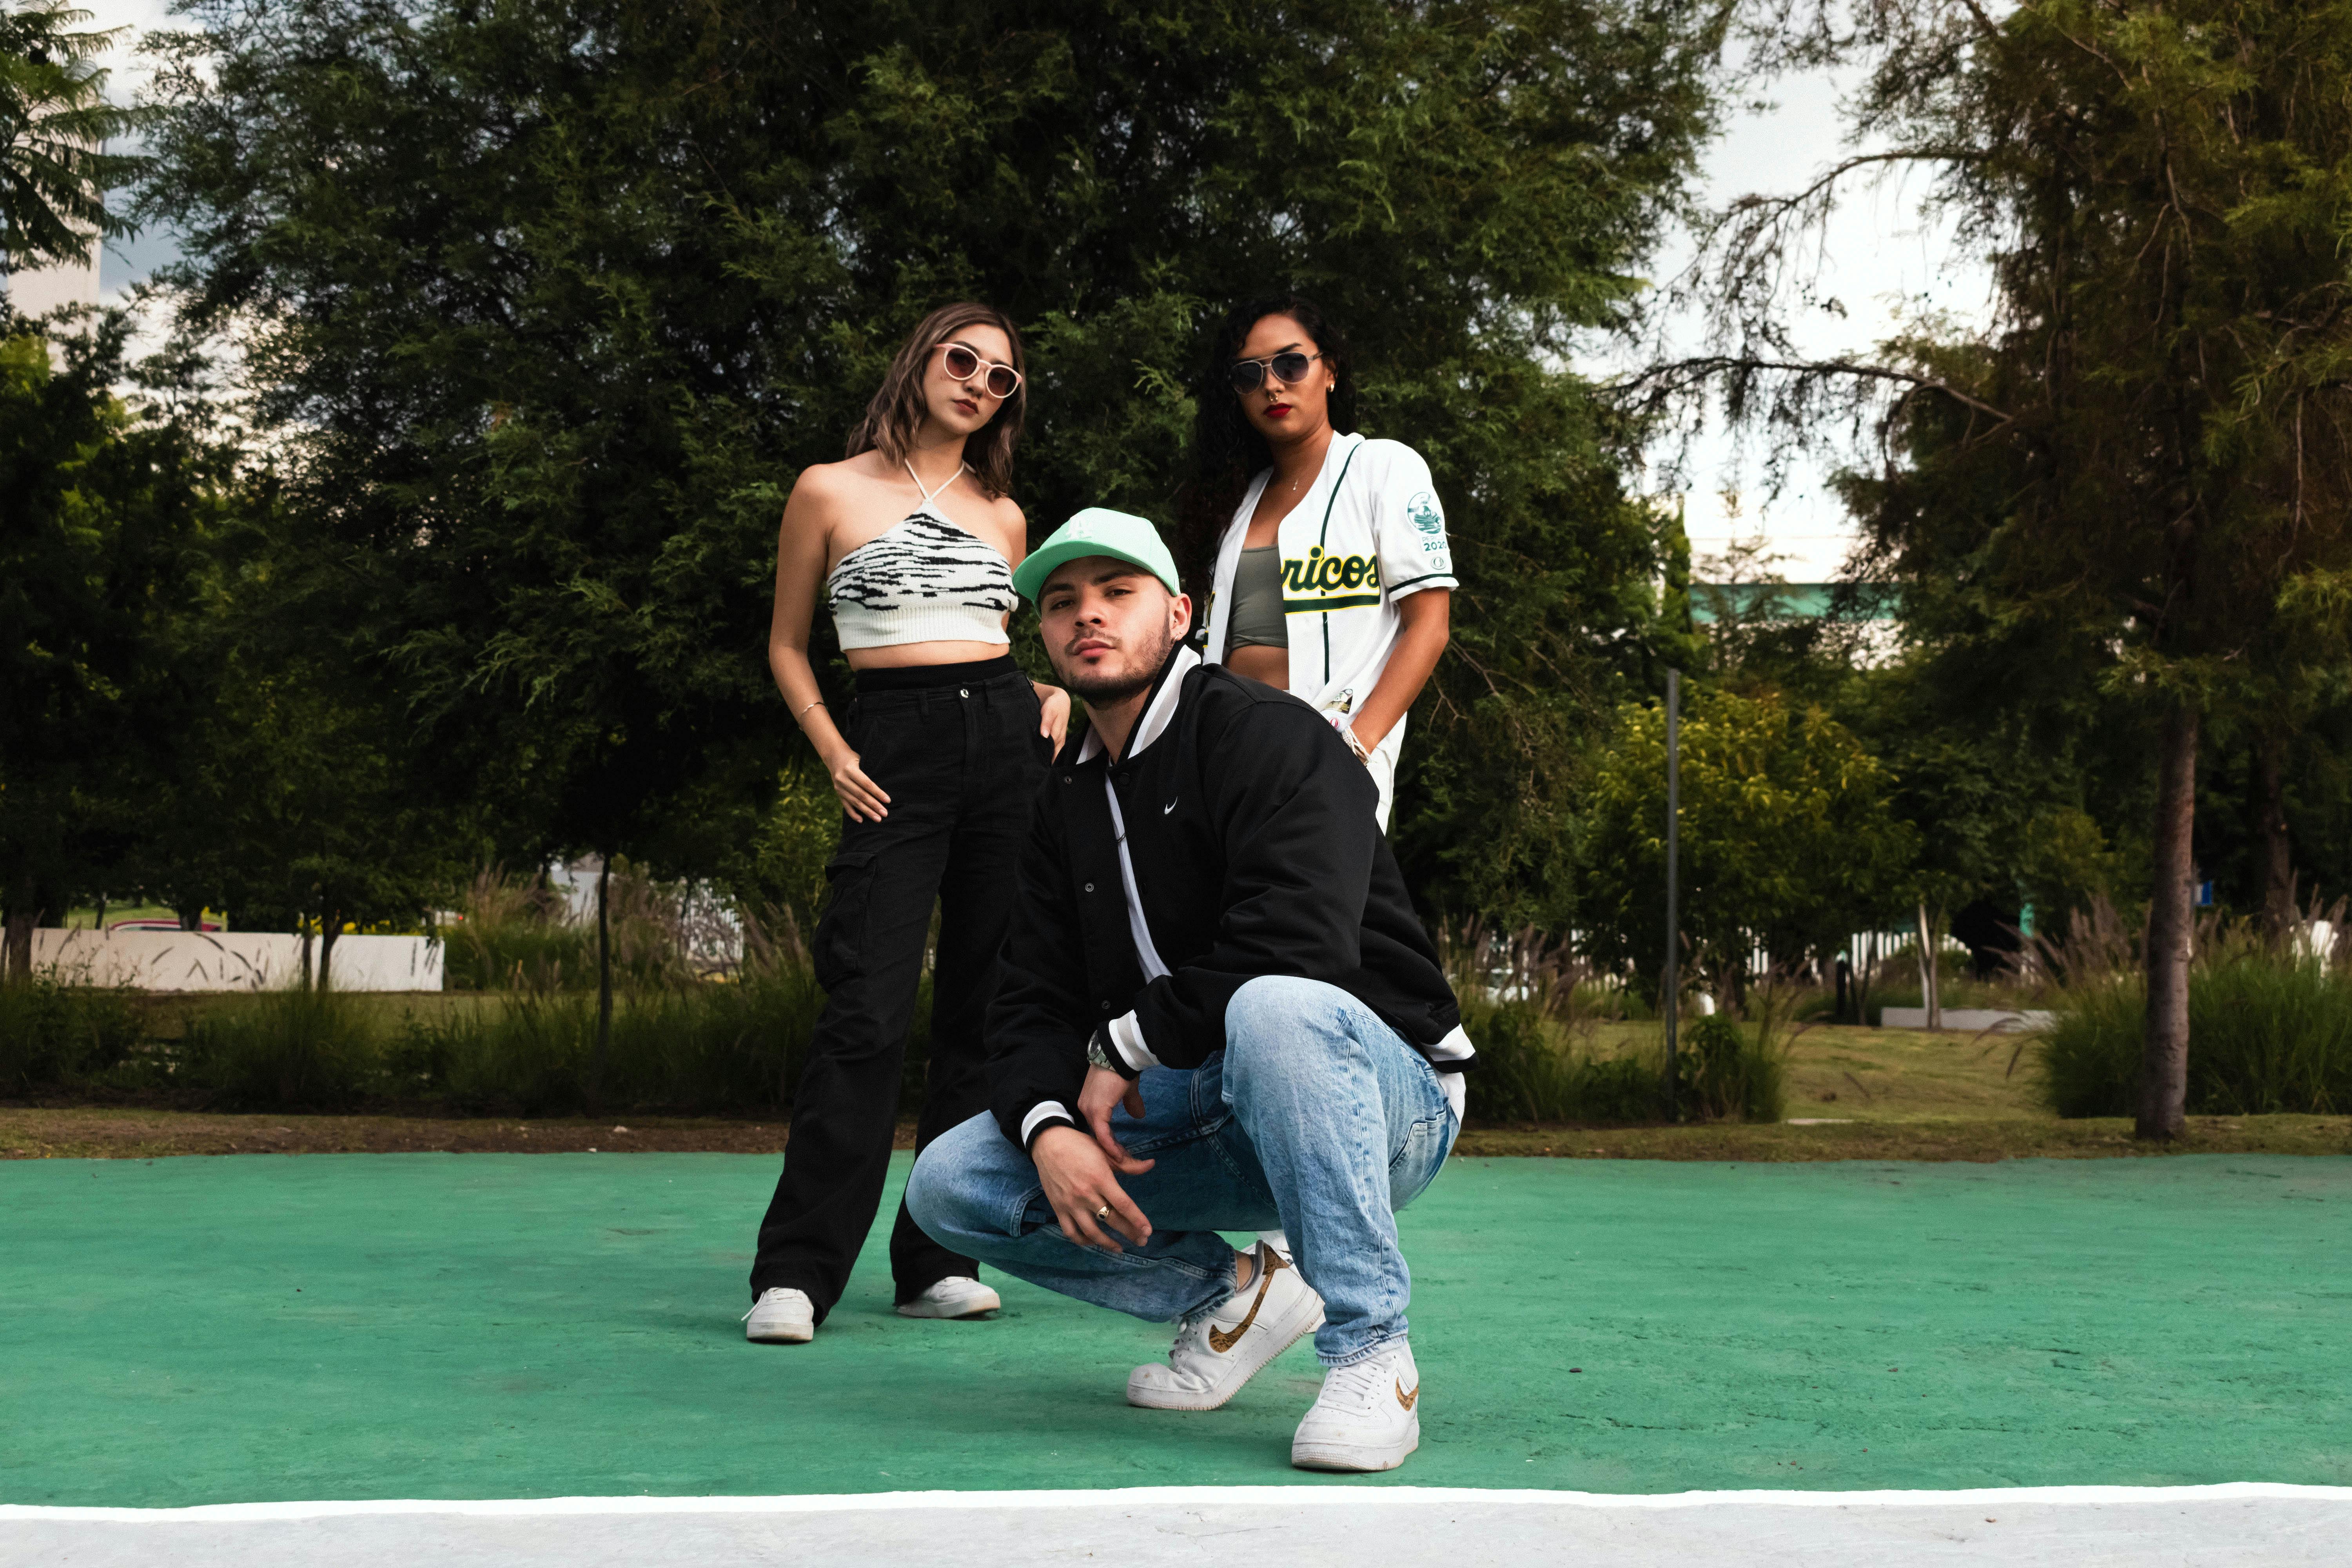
(36, 290)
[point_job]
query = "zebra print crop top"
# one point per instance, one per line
(923, 580)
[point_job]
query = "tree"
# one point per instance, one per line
(294, 799)
(1789, 840)
(107, 507)
(2151, 458)
(55, 171)
(558, 295)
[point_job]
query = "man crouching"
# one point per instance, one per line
(1212, 959)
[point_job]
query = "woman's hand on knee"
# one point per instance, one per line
(1081, 1187)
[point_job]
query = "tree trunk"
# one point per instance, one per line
(303, 925)
(2171, 928)
(1931, 990)
(330, 926)
(2280, 916)
(20, 941)
(604, 982)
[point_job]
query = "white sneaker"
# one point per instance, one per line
(1367, 1417)
(1218, 1352)
(954, 1297)
(781, 1317)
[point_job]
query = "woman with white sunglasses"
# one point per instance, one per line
(1332, 577)
(911, 541)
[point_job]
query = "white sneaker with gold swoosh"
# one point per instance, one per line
(1218, 1352)
(1367, 1417)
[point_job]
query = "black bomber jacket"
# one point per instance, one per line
(1251, 829)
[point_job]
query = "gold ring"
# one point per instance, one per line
(1103, 1213)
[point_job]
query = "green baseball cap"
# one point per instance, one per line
(1097, 531)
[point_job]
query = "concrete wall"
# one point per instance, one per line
(231, 961)
(1973, 1019)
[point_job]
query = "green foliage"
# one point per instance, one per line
(54, 169)
(290, 1050)
(2273, 1033)
(58, 1036)
(781, 871)
(1532, 1068)
(108, 506)
(1528, 1072)
(728, 1047)
(1787, 834)
(1728, 1071)
(589, 288)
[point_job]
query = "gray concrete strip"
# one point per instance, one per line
(2219, 1527)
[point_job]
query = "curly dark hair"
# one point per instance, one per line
(1227, 450)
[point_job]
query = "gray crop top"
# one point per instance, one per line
(1257, 618)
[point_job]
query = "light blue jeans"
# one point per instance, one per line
(1317, 1117)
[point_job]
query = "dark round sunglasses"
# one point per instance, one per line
(962, 364)
(1289, 367)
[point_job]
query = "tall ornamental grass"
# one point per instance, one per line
(310, 1050)
(517, 934)
(2270, 1021)
(2268, 1032)
(709, 1046)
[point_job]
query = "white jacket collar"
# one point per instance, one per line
(1157, 717)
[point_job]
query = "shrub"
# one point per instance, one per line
(1725, 1071)
(314, 1050)
(1530, 1069)
(1527, 1072)
(2268, 1032)
(706, 1047)
(53, 1036)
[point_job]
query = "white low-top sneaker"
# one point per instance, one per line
(1219, 1351)
(781, 1317)
(956, 1296)
(1367, 1417)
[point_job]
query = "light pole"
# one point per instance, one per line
(1671, 994)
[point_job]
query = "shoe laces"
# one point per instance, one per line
(771, 1290)
(1361, 1383)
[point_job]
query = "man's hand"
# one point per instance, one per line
(1080, 1186)
(1103, 1090)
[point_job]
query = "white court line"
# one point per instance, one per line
(1289, 1497)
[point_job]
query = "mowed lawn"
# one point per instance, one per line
(1852, 1093)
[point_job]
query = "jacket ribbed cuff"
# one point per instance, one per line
(1044, 1114)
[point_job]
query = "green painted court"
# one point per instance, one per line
(257, 1329)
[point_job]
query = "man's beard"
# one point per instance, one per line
(1101, 689)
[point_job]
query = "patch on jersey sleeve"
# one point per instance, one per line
(1422, 510)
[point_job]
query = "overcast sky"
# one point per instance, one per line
(1878, 263)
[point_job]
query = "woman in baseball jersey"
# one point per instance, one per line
(1331, 579)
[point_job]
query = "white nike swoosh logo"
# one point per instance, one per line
(1169, 807)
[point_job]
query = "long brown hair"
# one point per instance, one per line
(898, 409)
(1227, 450)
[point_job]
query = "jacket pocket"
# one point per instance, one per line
(840, 947)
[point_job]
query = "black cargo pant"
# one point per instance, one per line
(956, 748)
